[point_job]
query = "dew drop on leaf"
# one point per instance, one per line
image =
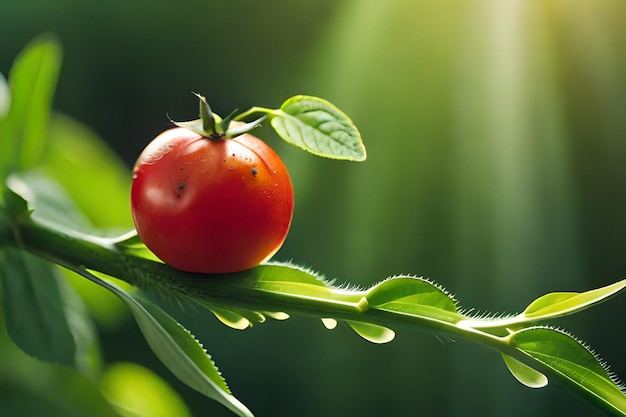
(330, 324)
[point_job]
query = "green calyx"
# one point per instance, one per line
(212, 126)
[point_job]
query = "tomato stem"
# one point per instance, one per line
(212, 126)
(267, 112)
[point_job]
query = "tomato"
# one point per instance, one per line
(211, 205)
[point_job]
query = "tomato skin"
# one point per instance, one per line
(211, 205)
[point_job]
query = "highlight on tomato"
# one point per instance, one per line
(209, 197)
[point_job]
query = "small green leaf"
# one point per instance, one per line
(32, 81)
(285, 279)
(319, 127)
(252, 316)
(277, 315)
(33, 307)
(237, 318)
(372, 332)
(524, 373)
(574, 364)
(175, 347)
(230, 318)
(547, 307)
(412, 295)
(561, 303)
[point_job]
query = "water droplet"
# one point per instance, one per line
(330, 324)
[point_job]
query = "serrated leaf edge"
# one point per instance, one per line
(613, 377)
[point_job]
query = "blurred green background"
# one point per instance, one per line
(496, 137)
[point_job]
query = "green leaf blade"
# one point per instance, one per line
(372, 332)
(574, 364)
(285, 279)
(182, 339)
(561, 303)
(176, 347)
(317, 126)
(415, 296)
(34, 309)
(524, 373)
(548, 306)
(230, 318)
(32, 81)
(47, 200)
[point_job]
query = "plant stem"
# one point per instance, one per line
(63, 246)
(77, 250)
(256, 109)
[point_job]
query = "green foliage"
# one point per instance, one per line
(548, 307)
(524, 373)
(136, 391)
(310, 123)
(414, 296)
(80, 169)
(34, 309)
(174, 346)
(317, 126)
(32, 81)
(572, 363)
(36, 302)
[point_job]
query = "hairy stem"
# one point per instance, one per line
(68, 247)
(74, 250)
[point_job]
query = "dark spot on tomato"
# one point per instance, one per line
(254, 171)
(180, 188)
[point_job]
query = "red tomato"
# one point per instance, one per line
(211, 205)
